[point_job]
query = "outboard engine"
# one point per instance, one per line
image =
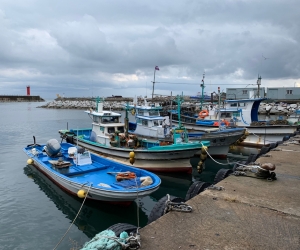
(52, 148)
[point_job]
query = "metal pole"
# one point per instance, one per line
(153, 85)
(258, 85)
(171, 112)
(219, 104)
(202, 86)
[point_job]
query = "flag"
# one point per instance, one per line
(156, 68)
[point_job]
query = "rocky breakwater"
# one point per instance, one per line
(82, 103)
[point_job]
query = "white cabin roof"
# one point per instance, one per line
(103, 113)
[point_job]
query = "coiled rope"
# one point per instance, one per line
(73, 220)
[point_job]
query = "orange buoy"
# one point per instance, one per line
(216, 124)
(203, 114)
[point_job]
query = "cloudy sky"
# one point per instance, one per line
(96, 47)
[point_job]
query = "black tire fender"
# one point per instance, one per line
(121, 227)
(159, 208)
(196, 188)
(222, 174)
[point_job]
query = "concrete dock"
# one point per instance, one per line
(250, 213)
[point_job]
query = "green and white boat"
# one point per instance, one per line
(109, 137)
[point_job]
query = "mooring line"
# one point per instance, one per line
(74, 219)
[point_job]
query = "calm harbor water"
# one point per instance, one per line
(35, 213)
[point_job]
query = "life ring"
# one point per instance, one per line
(227, 123)
(203, 114)
(133, 111)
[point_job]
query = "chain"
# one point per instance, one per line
(176, 206)
(214, 187)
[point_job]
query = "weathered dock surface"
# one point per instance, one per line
(249, 214)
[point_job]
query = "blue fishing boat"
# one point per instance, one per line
(111, 138)
(82, 173)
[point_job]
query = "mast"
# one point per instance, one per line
(219, 104)
(156, 68)
(258, 85)
(202, 87)
(126, 120)
(171, 112)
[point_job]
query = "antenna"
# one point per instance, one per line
(202, 86)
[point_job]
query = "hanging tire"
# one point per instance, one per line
(264, 150)
(273, 145)
(159, 208)
(222, 174)
(196, 188)
(70, 139)
(285, 138)
(121, 227)
(251, 158)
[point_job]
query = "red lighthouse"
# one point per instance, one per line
(28, 90)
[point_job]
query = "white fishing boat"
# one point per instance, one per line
(243, 113)
(110, 137)
(150, 124)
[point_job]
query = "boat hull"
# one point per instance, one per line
(72, 186)
(171, 161)
(262, 135)
(258, 135)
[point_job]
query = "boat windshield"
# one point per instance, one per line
(153, 113)
(109, 119)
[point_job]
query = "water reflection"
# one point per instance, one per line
(94, 216)
(98, 216)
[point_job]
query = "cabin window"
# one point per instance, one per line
(242, 104)
(101, 128)
(236, 114)
(104, 120)
(121, 129)
(138, 121)
(145, 123)
(153, 113)
(155, 123)
(233, 104)
(95, 119)
(110, 130)
(114, 120)
(289, 92)
(245, 92)
(225, 115)
(140, 112)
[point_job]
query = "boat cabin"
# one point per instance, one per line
(242, 112)
(149, 122)
(105, 124)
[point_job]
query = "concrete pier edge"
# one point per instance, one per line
(249, 214)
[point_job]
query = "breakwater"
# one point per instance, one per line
(109, 103)
(20, 98)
